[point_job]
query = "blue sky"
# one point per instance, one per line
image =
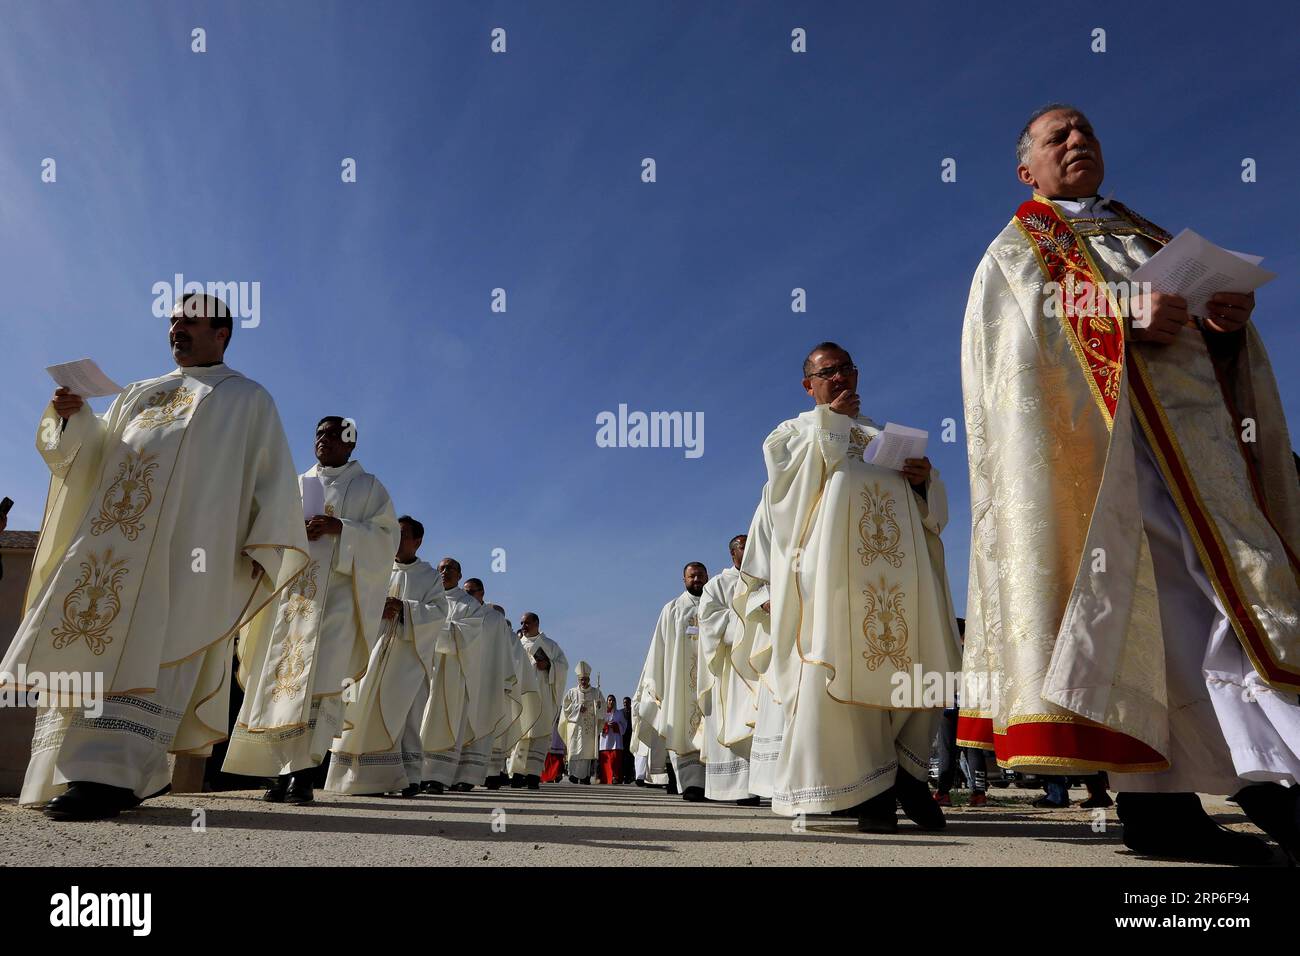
(522, 171)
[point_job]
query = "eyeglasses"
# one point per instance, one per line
(826, 374)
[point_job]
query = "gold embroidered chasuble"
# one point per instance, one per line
(156, 512)
(1063, 627)
(856, 578)
(320, 633)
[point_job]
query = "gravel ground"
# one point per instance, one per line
(609, 825)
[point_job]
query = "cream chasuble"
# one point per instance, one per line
(581, 730)
(669, 699)
(858, 609)
(144, 570)
(295, 658)
(1071, 659)
(729, 700)
(550, 684)
(379, 751)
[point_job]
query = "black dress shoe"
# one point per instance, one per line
(431, 786)
(300, 788)
(1045, 803)
(494, 783)
(586, 780)
(405, 792)
(533, 782)
(748, 802)
(879, 814)
(84, 800)
(462, 787)
(276, 791)
(517, 781)
(914, 797)
(693, 794)
(572, 779)
(1198, 842)
(1275, 809)
(640, 782)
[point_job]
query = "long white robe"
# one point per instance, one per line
(669, 699)
(751, 657)
(728, 700)
(297, 659)
(380, 751)
(859, 602)
(144, 571)
(580, 727)
(649, 755)
(529, 754)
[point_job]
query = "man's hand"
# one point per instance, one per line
(66, 403)
(321, 525)
(846, 403)
(766, 606)
(916, 470)
(392, 609)
(258, 570)
(543, 665)
(1229, 311)
(1158, 317)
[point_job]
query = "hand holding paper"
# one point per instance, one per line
(897, 443)
(83, 377)
(1193, 267)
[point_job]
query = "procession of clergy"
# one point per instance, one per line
(794, 675)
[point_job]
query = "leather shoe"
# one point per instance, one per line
(300, 789)
(275, 792)
(914, 797)
(693, 794)
(84, 800)
(879, 814)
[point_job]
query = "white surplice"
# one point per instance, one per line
(297, 659)
(380, 749)
(144, 571)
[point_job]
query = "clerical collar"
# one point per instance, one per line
(1089, 207)
(200, 371)
(405, 564)
(333, 471)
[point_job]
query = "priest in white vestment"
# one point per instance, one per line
(649, 755)
(670, 705)
(581, 714)
(491, 663)
(444, 726)
(1131, 475)
(379, 751)
(171, 520)
(521, 689)
(552, 668)
(728, 698)
(297, 659)
(751, 657)
(860, 610)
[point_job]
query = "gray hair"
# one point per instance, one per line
(1026, 142)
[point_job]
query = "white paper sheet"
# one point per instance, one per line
(313, 497)
(1195, 268)
(83, 377)
(895, 444)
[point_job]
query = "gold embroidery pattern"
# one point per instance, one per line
(164, 407)
(299, 597)
(93, 603)
(878, 528)
(693, 677)
(885, 626)
(858, 442)
(133, 490)
(289, 670)
(329, 511)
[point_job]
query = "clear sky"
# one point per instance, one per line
(522, 171)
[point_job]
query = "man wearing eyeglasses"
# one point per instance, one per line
(859, 609)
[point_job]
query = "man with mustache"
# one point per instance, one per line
(669, 706)
(859, 603)
(296, 664)
(170, 523)
(1133, 578)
